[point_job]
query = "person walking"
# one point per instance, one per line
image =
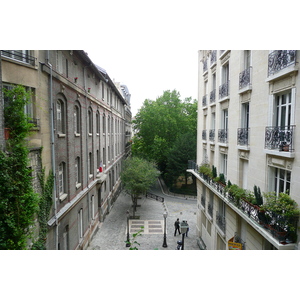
(188, 228)
(177, 227)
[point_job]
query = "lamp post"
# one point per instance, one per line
(128, 239)
(183, 228)
(165, 214)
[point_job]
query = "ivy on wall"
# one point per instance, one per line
(19, 204)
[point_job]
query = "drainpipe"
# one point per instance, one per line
(53, 149)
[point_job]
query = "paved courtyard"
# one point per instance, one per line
(112, 233)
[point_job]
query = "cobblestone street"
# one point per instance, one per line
(111, 234)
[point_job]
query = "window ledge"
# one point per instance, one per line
(77, 134)
(280, 153)
(61, 135)
(63, 197)
(78, 185)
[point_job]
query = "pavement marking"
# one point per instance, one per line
(150, 226)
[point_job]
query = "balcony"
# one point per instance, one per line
(243, 136)
(270, 225)
(280, 59)
(204, 102)
(204, 135)
(245, 79)
(203, 200)
(212, 135)
(221, 221)
(223, 136)
(204, 66)
(280, 138)
(212, 96)
(21, 56)
(224, 90)
(213, 57)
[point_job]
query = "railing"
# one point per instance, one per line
(221, 221)
(245, 78)
(156, 197)
(238, 239)
(212, 96)
(20, 56)
(204, 100)
(280, 59)
(213, 57)
(204, 135)
(212, 135)
(210, 209)
(243, 136)
(277, 225)
(280, 138)
(224, 90)
(203, 200)
(223, 136)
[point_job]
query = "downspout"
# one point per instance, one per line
(53, 149)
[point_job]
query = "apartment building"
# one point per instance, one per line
(80, 134)
(247, 129)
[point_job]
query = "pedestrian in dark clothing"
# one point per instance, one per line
(188, 228)
(176, 224)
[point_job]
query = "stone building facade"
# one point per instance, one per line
(80, 133)
(247, 129)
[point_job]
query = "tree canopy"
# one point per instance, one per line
(159, 124)
(137, 176)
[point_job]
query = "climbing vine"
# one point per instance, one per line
(19, 203)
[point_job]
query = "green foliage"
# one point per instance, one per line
(137, 176)
(133, 242)
(282, 204)
(222, 178)
(45, 206)
(159, 124)
(258, 195)
(214, 171)
(18, 201)
(205, 169)
(184, 149)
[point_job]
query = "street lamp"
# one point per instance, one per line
(183, 228)
(165, 214)
(128, 239)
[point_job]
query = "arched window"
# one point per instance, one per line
(77, 125)
(90, 121)
(60, 116)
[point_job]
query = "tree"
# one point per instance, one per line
(137, 176)
(184, 149)
(158, 124)
(18, 201)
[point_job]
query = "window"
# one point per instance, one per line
(66, 238)
(20, 55)
(282, 181)
(247, 59)
(92, 207)
(223, 164)
(223, 132)
(103, 123)
(283, 109)
(90, 121)
(90, 164)
(80, 224)
(60, 116)
(77, 172)
(97, 122)
(62, 181)
(76, 120)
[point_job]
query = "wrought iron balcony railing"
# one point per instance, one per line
(210, 209)
(243, 136)
(204, 134)
(212, 135)
(245, 78)
(18, 55)
(204, 65)
(223, 136)
(204, 103)
(213, 57)
(280, 138)
(212, 96)
(203, 200)
(221, 221)
(279, 227)
(224, 90)
(280, 59)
